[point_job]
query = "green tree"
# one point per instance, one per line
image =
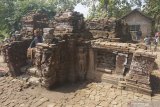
(11, 12)
(110, 8)
(152, 8)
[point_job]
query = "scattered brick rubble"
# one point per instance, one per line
(110, 30)
(33, 21)
(101, 28)
(100, 24)
(69, 22)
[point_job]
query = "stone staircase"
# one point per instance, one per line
(121, 83)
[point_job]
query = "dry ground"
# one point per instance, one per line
(15, 93)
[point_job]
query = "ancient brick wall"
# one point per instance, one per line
(63, 57)
(16, 56)
(59, 63)
(105, 59)
(4, 52)
(110, 30)
(126, 65)
(33, 21)
(46, 61)
(140, 72)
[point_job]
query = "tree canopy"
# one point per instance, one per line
(152, 8)
(11, 11)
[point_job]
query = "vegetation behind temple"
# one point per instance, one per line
(11, 11)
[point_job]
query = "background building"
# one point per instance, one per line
(137, 20)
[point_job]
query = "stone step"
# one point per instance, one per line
(108, 71)
(33, 72)
(34, 80)
(110, 79)
(121, 84)
(156, 97)
(113, 79)
(136, 88)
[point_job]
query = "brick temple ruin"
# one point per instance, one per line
(74, 50)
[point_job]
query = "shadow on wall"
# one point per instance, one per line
(155, 80)
(155, 67)
(155, 83)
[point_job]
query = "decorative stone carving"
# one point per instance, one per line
(82, 62)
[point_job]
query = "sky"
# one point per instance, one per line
(82, 9)
(85, 10)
